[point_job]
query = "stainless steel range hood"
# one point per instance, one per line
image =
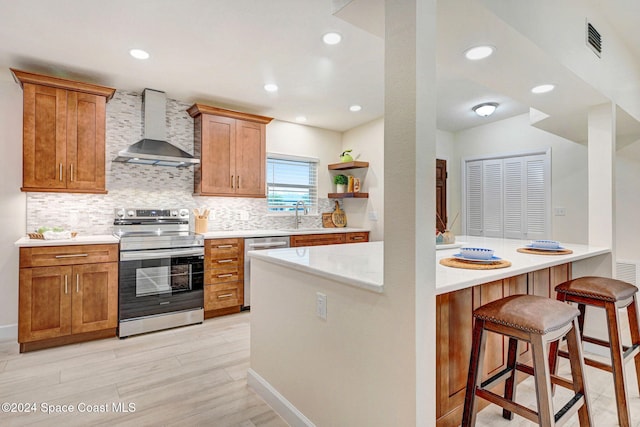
(153, 149)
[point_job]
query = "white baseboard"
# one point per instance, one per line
(278, 402)
(9, 332)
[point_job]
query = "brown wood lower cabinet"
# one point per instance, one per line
(224, 276)
(328, 238)
(454, 330)
(67, 294)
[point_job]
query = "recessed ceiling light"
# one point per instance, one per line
(301, 119)
(486, 109)
(270, 87)
(355, 108)
(479, 52)
(543, 88)
(332, 38)
(139, 53)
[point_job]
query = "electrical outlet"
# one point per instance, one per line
(373, 216)
(321, 305)
(560, 211)
(243, 215)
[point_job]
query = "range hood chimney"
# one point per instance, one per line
(153, 149)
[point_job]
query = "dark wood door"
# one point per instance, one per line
(441, 194)
(250, 155)
(95, 297)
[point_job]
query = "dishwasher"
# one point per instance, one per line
(258, 244)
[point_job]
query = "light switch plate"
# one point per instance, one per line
(321, 305)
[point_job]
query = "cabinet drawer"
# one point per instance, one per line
(357, 237)
(317, 239)
(223, 248)
(44, 256)
(223, 276)
(222, 296)
(223, 263)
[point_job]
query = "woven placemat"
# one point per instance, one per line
(470, 265)
(543, 252)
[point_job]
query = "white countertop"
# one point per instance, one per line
(78, 240)
(222, 234)
(361, 264)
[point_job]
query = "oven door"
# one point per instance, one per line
(160, 281)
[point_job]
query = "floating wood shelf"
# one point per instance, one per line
(348, 165)
(348, 195)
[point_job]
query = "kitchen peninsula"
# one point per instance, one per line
(342, 353)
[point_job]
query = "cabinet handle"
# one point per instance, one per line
(357, 238)
(77, 283)
(60, 171)
(225, 296)
(66, 279)
(232, 181)
(71, 173)
(220, 276)
(71, 255)
(238, 182)
(224, 246)
(222, 261)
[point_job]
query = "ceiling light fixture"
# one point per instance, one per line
(301, 119)
(139, 53)
(543, 88)
(332, 38)
(355, 108)
(486, 109)
(479, 52)
(270, 87)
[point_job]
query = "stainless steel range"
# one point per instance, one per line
(161, 281)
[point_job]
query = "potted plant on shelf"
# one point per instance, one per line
(341, 182)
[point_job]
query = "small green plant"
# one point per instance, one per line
(340, 179)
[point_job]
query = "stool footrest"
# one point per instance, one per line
(510, 406)
(629, 352)
(497, 378)
(570, 408)
(554, 378)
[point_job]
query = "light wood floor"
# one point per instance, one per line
(196, 376)
(191, 376)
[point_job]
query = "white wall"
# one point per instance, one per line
(367, 142)
(628, 203)
(12, 203)
(568, 168)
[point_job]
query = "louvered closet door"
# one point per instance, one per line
(537, 198)
(492, 206)
(473, 200)
(514, 191)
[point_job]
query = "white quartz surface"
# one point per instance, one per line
(78, 240)
(276, 232)
(361, 264)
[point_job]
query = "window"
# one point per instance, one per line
(290, 179)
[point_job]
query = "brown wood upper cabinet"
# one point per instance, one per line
(63, 134)
(232, 150)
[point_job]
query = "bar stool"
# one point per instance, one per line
(538, 321)
(611, 295)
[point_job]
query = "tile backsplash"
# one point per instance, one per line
(144, 186)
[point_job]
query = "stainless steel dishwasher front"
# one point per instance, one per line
(258, 244)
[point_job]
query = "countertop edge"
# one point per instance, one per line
(362, 284)
(26, 242)
(218, 234)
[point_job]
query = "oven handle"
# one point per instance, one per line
(155, 254)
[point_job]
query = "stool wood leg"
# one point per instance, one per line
(510, 384)
(553, 348)
(577, 373)
(474, 377)
(617, 363)
(634, 327)
(542, 380)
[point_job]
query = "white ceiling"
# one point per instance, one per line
(222, 53)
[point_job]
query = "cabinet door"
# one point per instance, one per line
(44, 303)
(357, 237)
(250, 159)
(218, 155)
(85, 141)
(44, 137)
(95, 297)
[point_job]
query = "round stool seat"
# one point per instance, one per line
(600, 288)
(528, 313)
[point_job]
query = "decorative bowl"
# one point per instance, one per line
(546, 244)
(476, 253)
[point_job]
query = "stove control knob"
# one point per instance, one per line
(120, 213)
(174, 213)
(131, 213)
(184, 213)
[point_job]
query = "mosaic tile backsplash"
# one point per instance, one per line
(144, 186)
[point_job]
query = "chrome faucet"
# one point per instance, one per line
(305, 211)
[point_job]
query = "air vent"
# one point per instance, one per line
(594, 39)
(627, 271)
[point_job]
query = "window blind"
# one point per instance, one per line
(290, 180)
